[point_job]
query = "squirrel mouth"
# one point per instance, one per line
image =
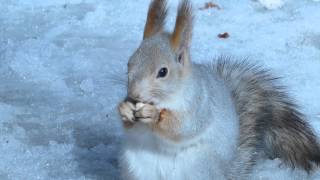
(135, 101)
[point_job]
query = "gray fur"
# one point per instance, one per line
(269, 120)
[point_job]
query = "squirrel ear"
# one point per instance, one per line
(181, 36)
(156, 18)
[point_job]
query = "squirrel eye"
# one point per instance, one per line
(162, 73)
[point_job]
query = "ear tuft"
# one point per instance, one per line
(181, 36)
(156, 18)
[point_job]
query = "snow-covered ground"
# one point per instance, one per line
(63, 65)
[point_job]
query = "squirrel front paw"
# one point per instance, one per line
(126, 110)
(146, 113)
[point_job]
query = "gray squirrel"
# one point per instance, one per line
(190, 121)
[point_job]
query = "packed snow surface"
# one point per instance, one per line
(63, 71)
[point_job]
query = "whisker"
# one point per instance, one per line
(114, 79)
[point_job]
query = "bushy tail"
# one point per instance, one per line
(290, 138)
(269, 120)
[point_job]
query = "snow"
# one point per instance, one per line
(272, 4)
(63, 71)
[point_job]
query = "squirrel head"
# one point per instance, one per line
(161, 64)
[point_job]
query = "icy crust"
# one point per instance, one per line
(63, 71)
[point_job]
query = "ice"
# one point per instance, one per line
(63, 72)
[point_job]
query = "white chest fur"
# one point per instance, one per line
(146, 156)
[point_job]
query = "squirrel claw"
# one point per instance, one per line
(146, 113)
(126, 110)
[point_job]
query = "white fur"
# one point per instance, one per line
(146, 156)
(181, 100)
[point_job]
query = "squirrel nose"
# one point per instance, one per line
(133, 96)
(132, 100)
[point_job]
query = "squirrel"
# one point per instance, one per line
(184, 120)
